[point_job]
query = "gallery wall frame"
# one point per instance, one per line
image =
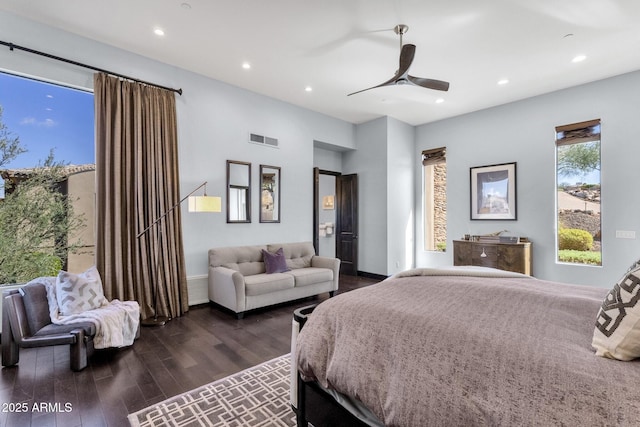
(328, 202)
(493, 192)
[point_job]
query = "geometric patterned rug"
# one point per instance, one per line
(256, 397)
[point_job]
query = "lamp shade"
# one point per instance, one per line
(205, 204)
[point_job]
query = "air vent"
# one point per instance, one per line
(271, 141)
(263, 140)
(257, 138)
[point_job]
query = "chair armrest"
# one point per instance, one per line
(227, 288)
(47, 340)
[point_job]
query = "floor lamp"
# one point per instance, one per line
(196, 204)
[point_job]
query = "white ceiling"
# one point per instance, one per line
(341, 46)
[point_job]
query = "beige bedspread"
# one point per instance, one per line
(429, 350)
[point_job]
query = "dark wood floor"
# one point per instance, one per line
(200, 347)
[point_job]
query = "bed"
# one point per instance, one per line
(462, 346)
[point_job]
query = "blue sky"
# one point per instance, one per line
(46, 116)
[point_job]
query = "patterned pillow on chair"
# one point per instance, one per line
(77, 293)
(617, 332)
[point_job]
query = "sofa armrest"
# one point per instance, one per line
(226, 287)
(330, 263)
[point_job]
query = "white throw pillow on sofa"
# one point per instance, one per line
(77, 293)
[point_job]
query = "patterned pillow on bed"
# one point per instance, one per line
(617, 332)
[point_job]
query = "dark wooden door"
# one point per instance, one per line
(347, 223)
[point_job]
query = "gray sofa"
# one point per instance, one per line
(238, 279)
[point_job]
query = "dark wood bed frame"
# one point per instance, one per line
(315, 406)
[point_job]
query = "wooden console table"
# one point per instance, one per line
(505, 256)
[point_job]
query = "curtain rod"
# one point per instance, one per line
(79, 64)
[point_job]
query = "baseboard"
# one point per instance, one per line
(372, 275)
(198, 289)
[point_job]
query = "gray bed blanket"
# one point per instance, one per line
(457, 350)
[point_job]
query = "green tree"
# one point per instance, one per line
(35, 218)
(579, 159)
(10, 147)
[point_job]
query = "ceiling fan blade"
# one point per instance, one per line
(389, 82)
(429, 83)
(406, 58)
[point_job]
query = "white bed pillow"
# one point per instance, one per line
(77, 293)
(617, 332)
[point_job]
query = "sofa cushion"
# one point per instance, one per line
(275, 262)
(245, 259)
(311, 275)
(259, 284)
(298, 255)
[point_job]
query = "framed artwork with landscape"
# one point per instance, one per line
(493, 192)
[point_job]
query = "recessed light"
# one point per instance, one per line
(308, 89)
(246, 65)
(439, 100)
(579, 58)
(503, 82)
(158, 32)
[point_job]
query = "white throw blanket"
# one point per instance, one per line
(116, 322)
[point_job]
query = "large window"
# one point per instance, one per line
(578, 192)
(435, 199)
(47, 166)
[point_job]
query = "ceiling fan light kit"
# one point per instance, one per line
(402, 77)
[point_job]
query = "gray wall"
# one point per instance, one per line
(400, 193)
(327, 159)
(523, 132)
(370, 163)
(215, 119)
(214, 123)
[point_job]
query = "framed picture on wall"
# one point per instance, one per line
(327, 202)
(493, 192)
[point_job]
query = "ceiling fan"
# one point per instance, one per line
(402, 77)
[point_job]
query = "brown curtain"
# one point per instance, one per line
(137, 182)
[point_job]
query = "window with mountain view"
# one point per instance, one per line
(47, 190)
(578, 192)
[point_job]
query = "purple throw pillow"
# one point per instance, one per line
(275, 263)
